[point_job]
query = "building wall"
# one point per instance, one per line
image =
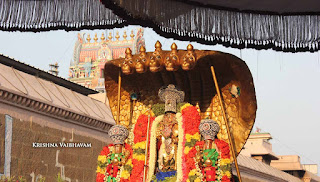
(74, 164)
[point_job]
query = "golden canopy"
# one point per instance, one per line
(189, 69)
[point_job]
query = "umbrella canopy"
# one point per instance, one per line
(281, 25)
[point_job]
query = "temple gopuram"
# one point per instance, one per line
(89, 57)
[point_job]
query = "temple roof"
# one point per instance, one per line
(34, 93)
(18, 65)
(249, 165)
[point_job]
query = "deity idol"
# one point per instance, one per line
(167, 134)
(170, 140)
(213, 155)
(176, 150)
(114, 157)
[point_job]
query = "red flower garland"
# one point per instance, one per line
(191, 121)
(140, 135)
(100, 177)
(225, 154)
(105, 151)
(137, 171)
(224, 148)
(225, 179)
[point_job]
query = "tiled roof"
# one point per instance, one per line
(51, 98)
(258, 166)
(26, 68)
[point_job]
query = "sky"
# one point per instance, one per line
(287, 84)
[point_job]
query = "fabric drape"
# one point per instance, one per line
(170, 18)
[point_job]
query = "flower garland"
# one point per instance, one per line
(105, 164)
(223, 170)
(139, 146)
(152, 157)
(181, 142)
(126, 169)
(189, 137)
(153, 146)
(191, 121)
(102, 163)
(224, 164)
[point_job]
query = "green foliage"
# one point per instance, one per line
(7, 179)
(158, 109)
(179, 105)
(59, 179)
(42, 179)
(20, 179)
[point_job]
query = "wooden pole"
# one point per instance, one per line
(226, 123)
(146, 151)
(119, 96)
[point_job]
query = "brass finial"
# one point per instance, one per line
(128, 52)
(132, 35)
(95, 38)
(190, 47)
(88, 38)
(142, 49)
(117, 36)
(102, 37)
(174, 47)
(110, 36)
(158, 45)
(124, 35)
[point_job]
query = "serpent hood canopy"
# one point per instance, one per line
(145, 73)
(278, 24)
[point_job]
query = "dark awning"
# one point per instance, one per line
(278, 24)
(289, 7)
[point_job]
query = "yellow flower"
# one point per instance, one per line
(101, 170)
(225, 162)
(228, 174)
(185, 106)
(141, 145)
(192, 172)
(195, 136)
(98, 169)
(145, 111)
(129, 162)
(197, 180)
(125, 174)
(102, 158)
(187, 149)
(140, 157)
